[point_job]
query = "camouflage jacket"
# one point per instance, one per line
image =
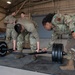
(63, 24)
(29, 26)
(10, 19)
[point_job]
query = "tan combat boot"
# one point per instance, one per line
(27, 45)
(69, 66)
(20, 54)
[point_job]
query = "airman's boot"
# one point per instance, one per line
(20, 55)
(27, 45)
(69, 66)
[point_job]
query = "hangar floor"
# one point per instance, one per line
(42, 65)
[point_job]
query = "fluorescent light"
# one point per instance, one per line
(8, 2)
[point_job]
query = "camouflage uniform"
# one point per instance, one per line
(31, 30)
(63, 24)
(10, 27)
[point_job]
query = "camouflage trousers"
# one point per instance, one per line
(69, 46)
(9, 34)
(24, 38)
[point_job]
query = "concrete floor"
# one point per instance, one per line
(42, 65)
(13, 71)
